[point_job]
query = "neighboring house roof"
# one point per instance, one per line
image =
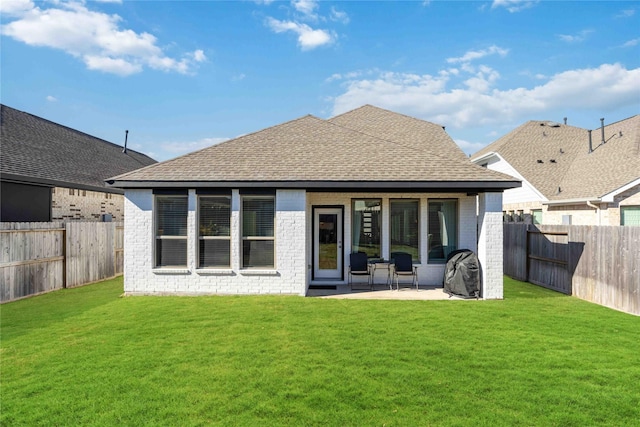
(555, 158)
(38, 151)
(314, 153)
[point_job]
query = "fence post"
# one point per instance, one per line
(526, 252)
(64, 257)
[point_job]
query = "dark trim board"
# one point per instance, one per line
(329, 287)
(334, 186)
(21, 179)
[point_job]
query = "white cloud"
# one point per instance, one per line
(306, 7)
(347, 76)
(94, 37)
(51, 98)
(477, 54)
(632, 43)
(514, 5)
(469, 147)
(199, 56)
(339, 16)
(479, 103)
(238, 77)
(308, 38)
(15, 7)
(581, 36)
(108, 1)
(184, 147)
(627, 13)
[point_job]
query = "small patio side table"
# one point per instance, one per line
(382, 263)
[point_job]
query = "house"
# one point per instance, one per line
(280, 210)
(570, 175)
(50, 172)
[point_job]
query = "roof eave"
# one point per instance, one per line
(577, 201)
(465, 186)
(485, 156)
(30, 180)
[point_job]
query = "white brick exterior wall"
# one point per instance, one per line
(293, 237)
(490, 244)
(287, 278)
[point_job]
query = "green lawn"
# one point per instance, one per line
(87, 356)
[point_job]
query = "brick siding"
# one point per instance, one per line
(72, 204)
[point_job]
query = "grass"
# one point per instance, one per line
(87, 356)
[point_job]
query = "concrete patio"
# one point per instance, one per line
(383, 292)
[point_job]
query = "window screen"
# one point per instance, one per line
(630, 215)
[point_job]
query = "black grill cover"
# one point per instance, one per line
(462, 274)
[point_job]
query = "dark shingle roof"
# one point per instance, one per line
(578, 173)
(39, 151)
(311, 151)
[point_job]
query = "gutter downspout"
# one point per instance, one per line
(597, 208)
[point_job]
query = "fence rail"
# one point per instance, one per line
(600, 264)
(41, 257)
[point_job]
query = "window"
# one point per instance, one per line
(537, 216)
(404, 231)
(171, 230)
(258, 238)
(214, 231)
(442, 229)
(630, 215)
(365, 226)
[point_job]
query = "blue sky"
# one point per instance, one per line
(182, 75)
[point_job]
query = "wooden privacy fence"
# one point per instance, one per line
(600, 264)
(41, 257)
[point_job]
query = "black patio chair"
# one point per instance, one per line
(403, 266)
(359, 266)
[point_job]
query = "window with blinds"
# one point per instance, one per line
(630, 215)
(404, 225)
(214, 231)
(171, 230)
(258, 237)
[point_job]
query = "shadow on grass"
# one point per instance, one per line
(20, 317)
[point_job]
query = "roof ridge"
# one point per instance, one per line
(617, 122)
(75, 131)
(388, 111)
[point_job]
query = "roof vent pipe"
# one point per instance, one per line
(126, 136)
(590, 143)
(602, 128)
(565, 120)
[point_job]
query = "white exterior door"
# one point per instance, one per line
(328, 254)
